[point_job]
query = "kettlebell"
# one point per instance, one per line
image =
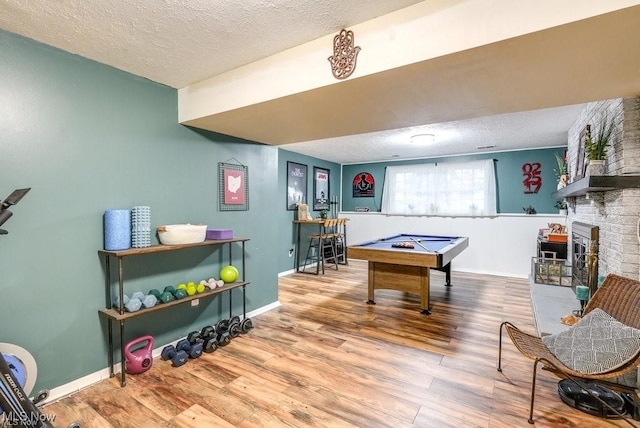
(139, 360)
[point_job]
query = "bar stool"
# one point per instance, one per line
(341, 241)
(318, 243)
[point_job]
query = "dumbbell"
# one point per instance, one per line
(208, 345)
(209, 338)
(178, 294)
(246, 325)
(116, 301)
(189, 290)
(177, 357)
(212, 283)
(130, 305)
(193, 288)
(222, 332)
(160, 296)
(226, 332)
(148, 301)
(192, 350)
(194, 337)
(234, 327)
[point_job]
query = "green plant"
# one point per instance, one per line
(561, 205)
(561, 166)
(595, 147)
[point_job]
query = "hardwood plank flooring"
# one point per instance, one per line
(327, 359)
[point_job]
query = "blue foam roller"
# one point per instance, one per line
(117, 230)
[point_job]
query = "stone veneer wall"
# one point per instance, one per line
(616, 212)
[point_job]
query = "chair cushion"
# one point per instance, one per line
(598, 343)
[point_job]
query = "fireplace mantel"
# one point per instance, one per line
(597, 183)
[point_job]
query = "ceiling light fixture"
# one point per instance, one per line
(423, 139)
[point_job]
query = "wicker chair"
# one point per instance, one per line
(618, 296)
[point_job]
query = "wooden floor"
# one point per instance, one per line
(325, 358)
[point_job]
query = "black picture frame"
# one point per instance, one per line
(321, 188)
(233, 187)
(296, 185)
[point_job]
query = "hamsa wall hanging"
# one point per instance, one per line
(345, 55)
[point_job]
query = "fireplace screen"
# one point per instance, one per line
(584, 265)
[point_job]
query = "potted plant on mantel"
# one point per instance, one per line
(561, 170)
(595, 147)
(562, 207)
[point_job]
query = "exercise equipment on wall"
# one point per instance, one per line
(12, 199)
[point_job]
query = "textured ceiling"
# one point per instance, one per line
(181, 42)
(533, 129)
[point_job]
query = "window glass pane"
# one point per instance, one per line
(465, 189)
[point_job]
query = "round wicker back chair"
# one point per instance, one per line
(619, 297)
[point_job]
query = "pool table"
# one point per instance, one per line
(402, 262)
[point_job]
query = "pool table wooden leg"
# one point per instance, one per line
(371, 285)
(424, 291)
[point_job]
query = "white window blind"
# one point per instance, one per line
(444, 189)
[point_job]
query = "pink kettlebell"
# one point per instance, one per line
(140, 359)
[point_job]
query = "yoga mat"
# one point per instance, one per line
(117, 230)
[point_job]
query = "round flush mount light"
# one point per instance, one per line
(423, 139)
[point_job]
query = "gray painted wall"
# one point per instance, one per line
(509, 176)
(288, 228)
(86, 138)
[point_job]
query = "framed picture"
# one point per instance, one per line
(233, 187)
(363, 185)
(580, 164)
(320, 189)
(296, 185)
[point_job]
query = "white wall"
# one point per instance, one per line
(502, 245)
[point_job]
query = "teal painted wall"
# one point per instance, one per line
(509, 176)
(288, 229)
(86, 138)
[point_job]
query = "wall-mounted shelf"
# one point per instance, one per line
(597, 183)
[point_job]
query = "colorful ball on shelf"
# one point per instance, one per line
(229, 274)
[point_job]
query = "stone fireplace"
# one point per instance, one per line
(611, 203)
(606, 208)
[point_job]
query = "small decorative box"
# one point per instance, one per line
(558, 237)
(219, 234)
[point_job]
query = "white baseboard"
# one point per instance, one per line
(93, 378)
(287, 272)
(494, 273)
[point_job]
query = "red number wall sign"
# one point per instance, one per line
(532, 178)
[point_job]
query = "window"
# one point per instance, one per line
(445, 189)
